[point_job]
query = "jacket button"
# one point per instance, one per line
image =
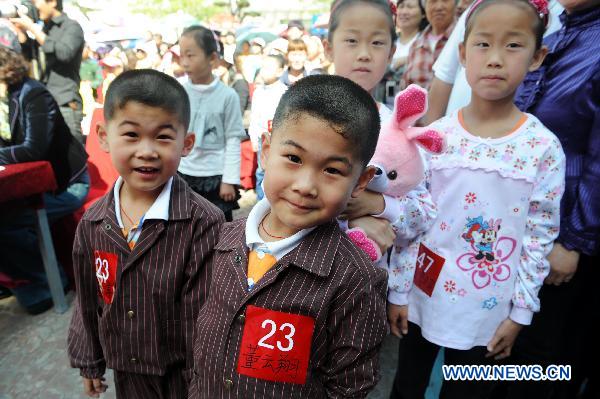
(107, 226)
(130, 314)
(133, 360)
(242, 318)
(238, 259)
(228, 384)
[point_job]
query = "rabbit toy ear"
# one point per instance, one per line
(409, 106)
(431, 140)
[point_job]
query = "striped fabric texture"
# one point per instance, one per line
(325, 278)
(146, 327)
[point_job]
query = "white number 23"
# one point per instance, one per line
(292, 331)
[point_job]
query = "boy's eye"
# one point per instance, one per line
(130, 134)
(333, 171)
(293, 158)
(514, 45)
(351, 41)
(165, 137)
(379, 43)
(481, 44)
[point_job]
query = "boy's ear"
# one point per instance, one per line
(462, 54)
(538, 58)
(363, 180)
(266, 147)
(101, 132)
(188, 144)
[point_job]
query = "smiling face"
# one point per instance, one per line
(310, 173)
(500, 50)
(361, 46)
(145, 145)
(408, 16)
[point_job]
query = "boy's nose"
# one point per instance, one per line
(304, 185)
(146, 150)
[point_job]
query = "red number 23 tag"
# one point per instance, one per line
(106, 273)
(428, 268)
(275, 345)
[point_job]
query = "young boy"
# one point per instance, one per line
(140, 250)
(264, 103)
(294, 308)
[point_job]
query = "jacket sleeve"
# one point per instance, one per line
(580, 227)
(357, 327)
(541, 231)
(234, 131)
(84, 349)
(71, 41)
(197, 277)
(39, 115)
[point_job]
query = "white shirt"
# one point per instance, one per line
(278, 249)
(448, 68)
(264, 103)
(514, 182)
(402, 49)
(216, 120)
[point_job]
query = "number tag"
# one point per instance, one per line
(428, 268)
(106, 273)
(275, 345)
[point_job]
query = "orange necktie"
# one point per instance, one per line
(258, 266)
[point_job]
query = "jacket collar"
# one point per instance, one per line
(315, 253)
(179, 207)
(581, 19)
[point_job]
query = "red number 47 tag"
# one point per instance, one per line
(428, 268)
(275, 345)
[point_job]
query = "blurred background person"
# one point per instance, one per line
(296, 59)
(429, 44)
(37, 131)
(61, 40)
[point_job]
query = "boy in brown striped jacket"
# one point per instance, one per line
(140, 251)
(295, 310)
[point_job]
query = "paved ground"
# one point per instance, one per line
(33, 358)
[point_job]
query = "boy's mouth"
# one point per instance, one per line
(146, 170)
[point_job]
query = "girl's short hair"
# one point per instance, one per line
(297, 45)
(538, 28)
(205, 38)
(338, 6)
(13, 67)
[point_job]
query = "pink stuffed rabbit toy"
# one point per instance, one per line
(397, 159)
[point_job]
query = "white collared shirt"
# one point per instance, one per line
(277, 249)
(158, 210)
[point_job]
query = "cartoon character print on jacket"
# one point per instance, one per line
(488, 252)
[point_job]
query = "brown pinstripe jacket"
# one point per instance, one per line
(325, 277)
(160, 287)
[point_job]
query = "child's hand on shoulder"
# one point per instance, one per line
(94, 387)
(398, 319)
(501, 344)
(367, 203)
(378, 230)
(227, 192)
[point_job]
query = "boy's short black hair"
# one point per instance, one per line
(151, 88)
(340, 102)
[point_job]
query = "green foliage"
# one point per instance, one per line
(203, 10)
